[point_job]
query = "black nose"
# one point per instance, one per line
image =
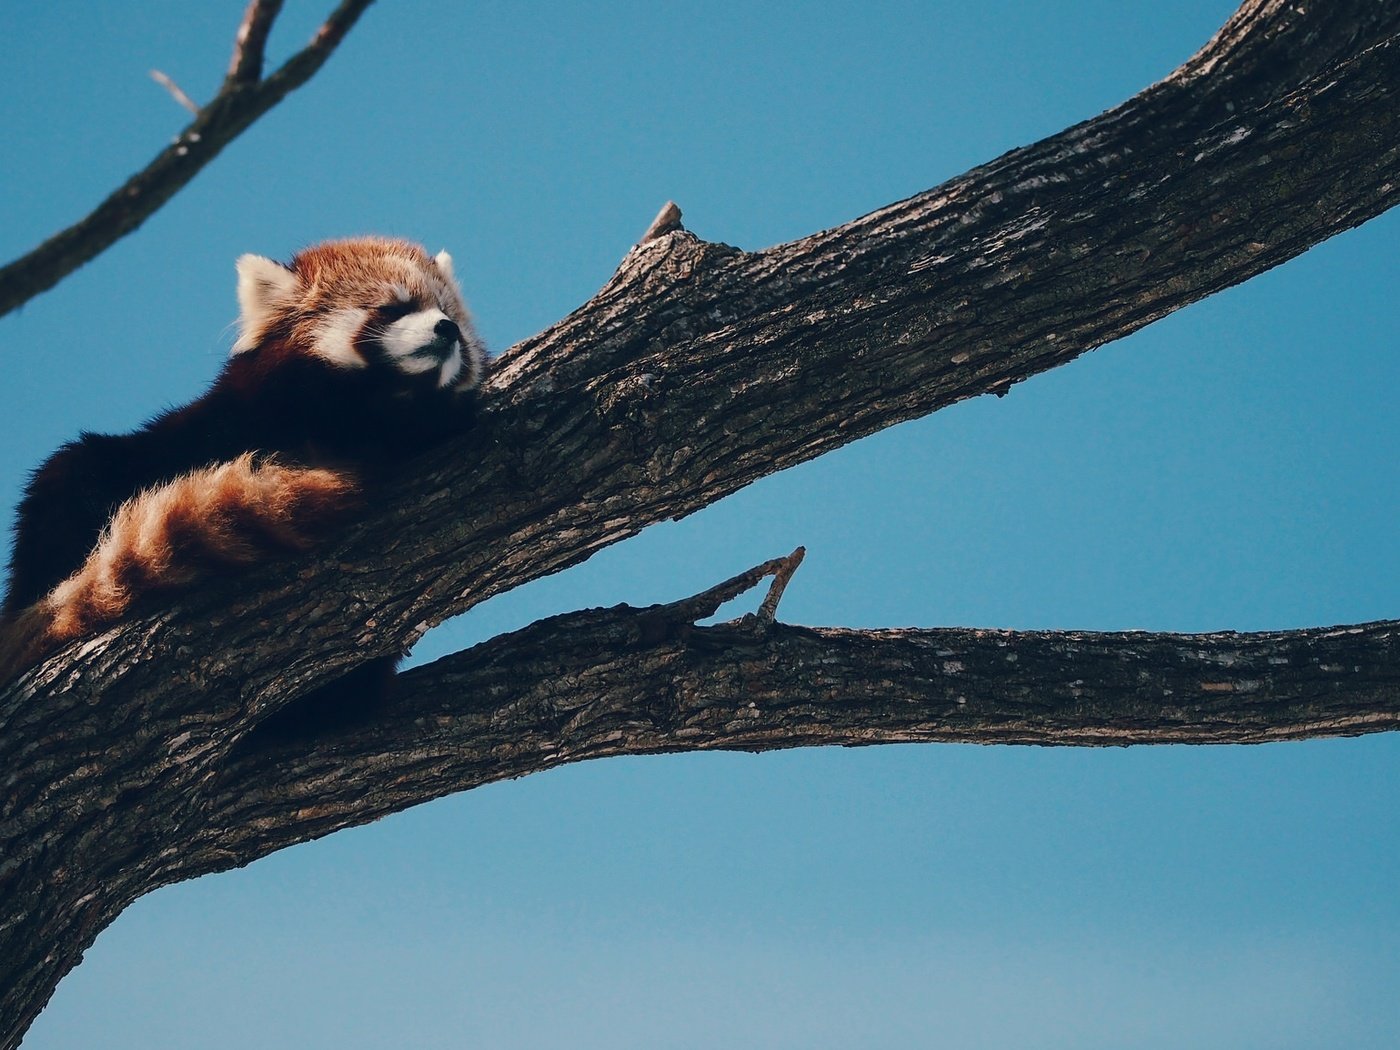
(447, 329)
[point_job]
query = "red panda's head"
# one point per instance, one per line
(370, 302)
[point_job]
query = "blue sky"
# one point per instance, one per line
(1233, 466)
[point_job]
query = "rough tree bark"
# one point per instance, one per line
(173, 746)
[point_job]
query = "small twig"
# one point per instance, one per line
(175, 92)
(786, 567)
(707, 602)
(667, 219)
(250, 45)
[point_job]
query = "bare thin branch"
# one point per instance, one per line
(250, 43)
(237, 105)
(335, 27)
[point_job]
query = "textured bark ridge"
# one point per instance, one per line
(649, 681)
(174, 745)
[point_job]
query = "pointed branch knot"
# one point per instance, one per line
(667, 219)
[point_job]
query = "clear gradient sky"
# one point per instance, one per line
(1233, 466)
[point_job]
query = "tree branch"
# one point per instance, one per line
(648, 681)
(700, 368)
(241, 100)
(696, 370)
(251, 42)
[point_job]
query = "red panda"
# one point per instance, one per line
(356, 354)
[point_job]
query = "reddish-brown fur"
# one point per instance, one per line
(264, 463)
(229, 515)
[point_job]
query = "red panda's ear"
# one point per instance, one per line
(264, 288)
(444, 263)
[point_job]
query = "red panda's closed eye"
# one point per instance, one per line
(393, 311)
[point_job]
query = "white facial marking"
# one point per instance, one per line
(412, 333)
(450, 367)
(415, 366)
(335, 338)
(411, 342)
(264, 287)
(414, 348)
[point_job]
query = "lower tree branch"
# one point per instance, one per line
(649, 681)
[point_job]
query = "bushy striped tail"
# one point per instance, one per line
(211, 520)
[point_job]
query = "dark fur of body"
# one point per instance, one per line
(303, 413)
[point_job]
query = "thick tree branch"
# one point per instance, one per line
(696, 370)
(241, 100)
(648, 681)
(700, 368)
